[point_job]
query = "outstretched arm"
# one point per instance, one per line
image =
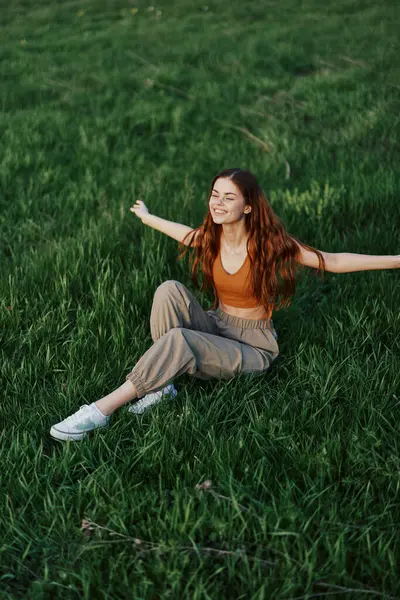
(346, 262)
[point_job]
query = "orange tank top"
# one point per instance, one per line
(233, 289)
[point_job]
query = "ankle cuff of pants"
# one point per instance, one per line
(137, 382)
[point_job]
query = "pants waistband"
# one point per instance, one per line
(244, 323)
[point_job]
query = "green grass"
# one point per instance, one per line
(103, 106)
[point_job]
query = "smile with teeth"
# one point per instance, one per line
(219, 212)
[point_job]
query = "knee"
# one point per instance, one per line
(175, 332)
(167, 287)
(176, 335)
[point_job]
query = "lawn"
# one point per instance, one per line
(283, 486)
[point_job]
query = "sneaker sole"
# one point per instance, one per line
(63, 436)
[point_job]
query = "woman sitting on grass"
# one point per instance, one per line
(241, 247)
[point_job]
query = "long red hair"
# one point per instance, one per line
(270, 248)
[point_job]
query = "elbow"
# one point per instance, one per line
(332, 262)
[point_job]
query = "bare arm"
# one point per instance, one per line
(310, 259)
(170, 228)
(346, 262)
(174, 230)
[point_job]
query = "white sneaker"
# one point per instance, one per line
(77, 426)
(153, 398)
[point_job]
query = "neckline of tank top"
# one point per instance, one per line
(236, 272)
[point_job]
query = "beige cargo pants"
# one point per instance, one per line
(205, 344)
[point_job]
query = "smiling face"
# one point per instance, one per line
(227, 197)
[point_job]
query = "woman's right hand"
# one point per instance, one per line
(140, 209)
